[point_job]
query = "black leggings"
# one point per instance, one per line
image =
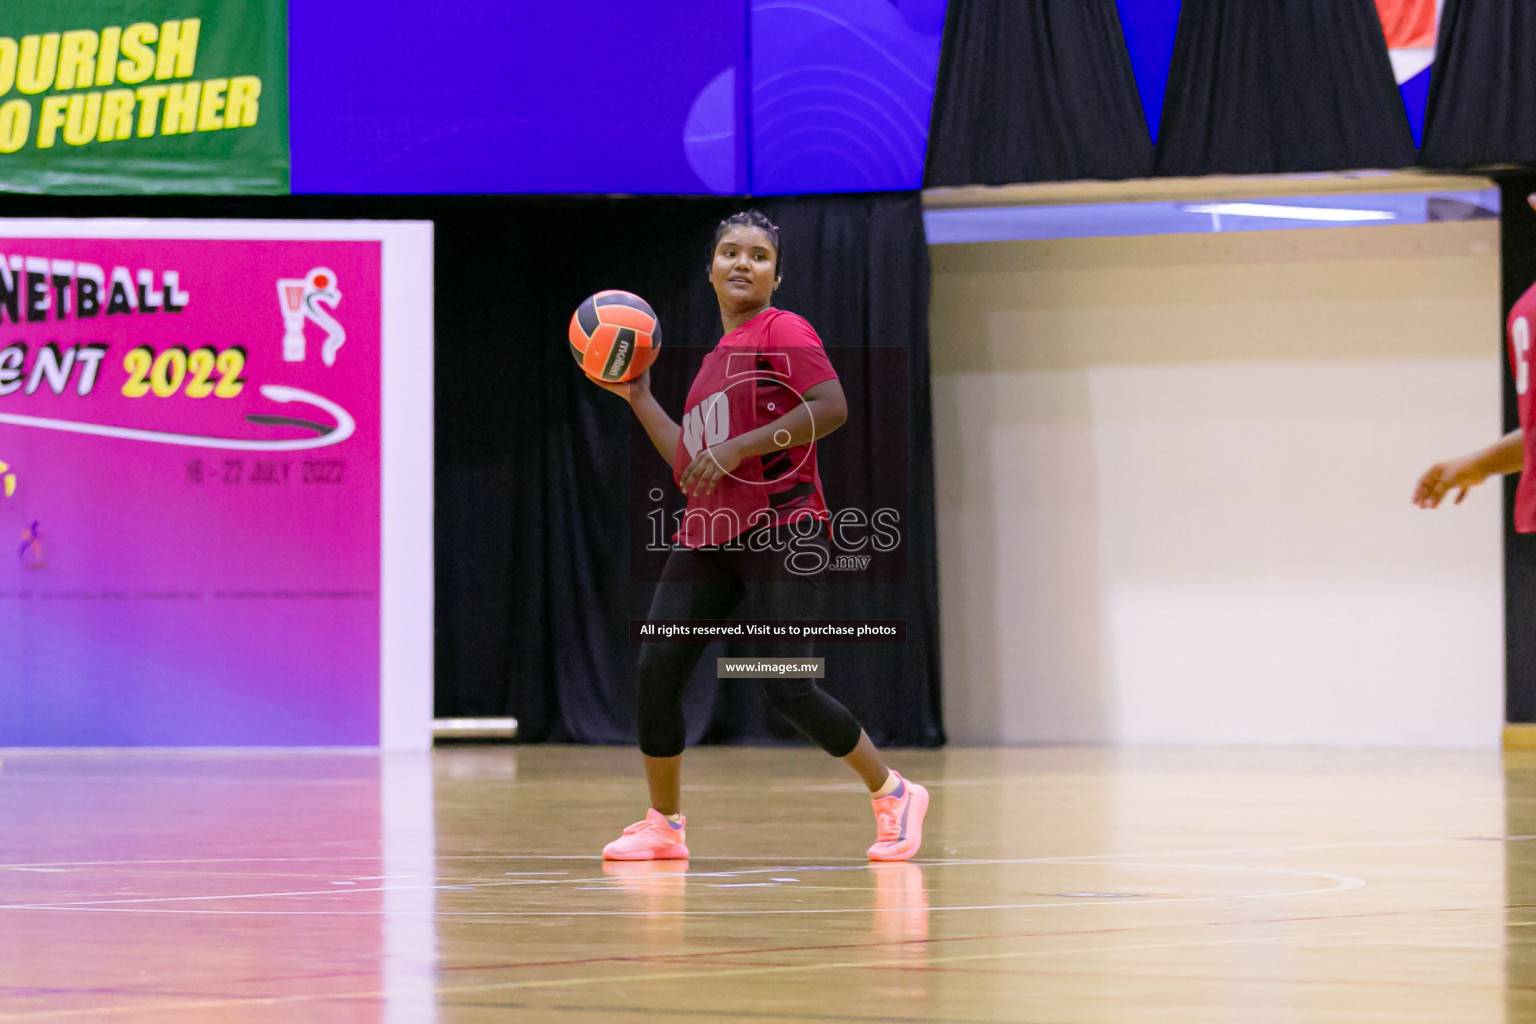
(712, 583)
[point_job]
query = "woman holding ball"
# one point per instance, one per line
(745, 457)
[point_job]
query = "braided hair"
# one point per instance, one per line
(752, 219)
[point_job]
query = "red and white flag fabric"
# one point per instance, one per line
(1410, 27)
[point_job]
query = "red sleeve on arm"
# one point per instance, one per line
(802, 351)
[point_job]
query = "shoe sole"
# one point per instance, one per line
(915, 818)
(666, 853)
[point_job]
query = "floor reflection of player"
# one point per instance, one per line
(706, 579)
(31, 553)
(660, 888)
(901, 903)
(1510, 453)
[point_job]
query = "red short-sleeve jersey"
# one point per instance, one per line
(756, 373)
(1521, 319)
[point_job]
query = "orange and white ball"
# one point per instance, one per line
(614, 336)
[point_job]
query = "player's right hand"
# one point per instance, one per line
(1459, 475)
(628, 390)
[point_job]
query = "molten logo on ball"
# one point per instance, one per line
(614, 336)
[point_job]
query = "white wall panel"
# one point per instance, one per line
(1173, 482)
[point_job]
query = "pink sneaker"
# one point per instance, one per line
(899, 821)
(651, 839)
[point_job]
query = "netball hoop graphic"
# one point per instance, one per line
(299, 298)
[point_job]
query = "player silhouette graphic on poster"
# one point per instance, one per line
(31, 553)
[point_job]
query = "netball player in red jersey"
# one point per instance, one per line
(1510, 453)
(751, 534)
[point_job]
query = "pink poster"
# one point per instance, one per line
(190, 451)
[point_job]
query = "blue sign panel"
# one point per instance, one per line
(841, 93)
(688, 96)
(480, 96)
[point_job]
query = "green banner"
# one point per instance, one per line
(144, 96)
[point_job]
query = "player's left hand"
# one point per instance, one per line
(709, 467)
(1443, 477)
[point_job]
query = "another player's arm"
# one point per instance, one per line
(822, 409)
(1506, 455)
(662, 429)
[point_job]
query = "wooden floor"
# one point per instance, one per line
(1056, 886)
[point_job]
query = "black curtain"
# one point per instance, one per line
(543, 477)
(534, 490)
(1281, 86)
(1035, 90)
(1518, 245)
(1482, 92)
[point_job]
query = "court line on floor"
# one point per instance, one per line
(904, 962)
(551, 983)
(891, 962)
(680, 959)
(731, 1015)
(136, 905)
(1106, 860)
(923, 862)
